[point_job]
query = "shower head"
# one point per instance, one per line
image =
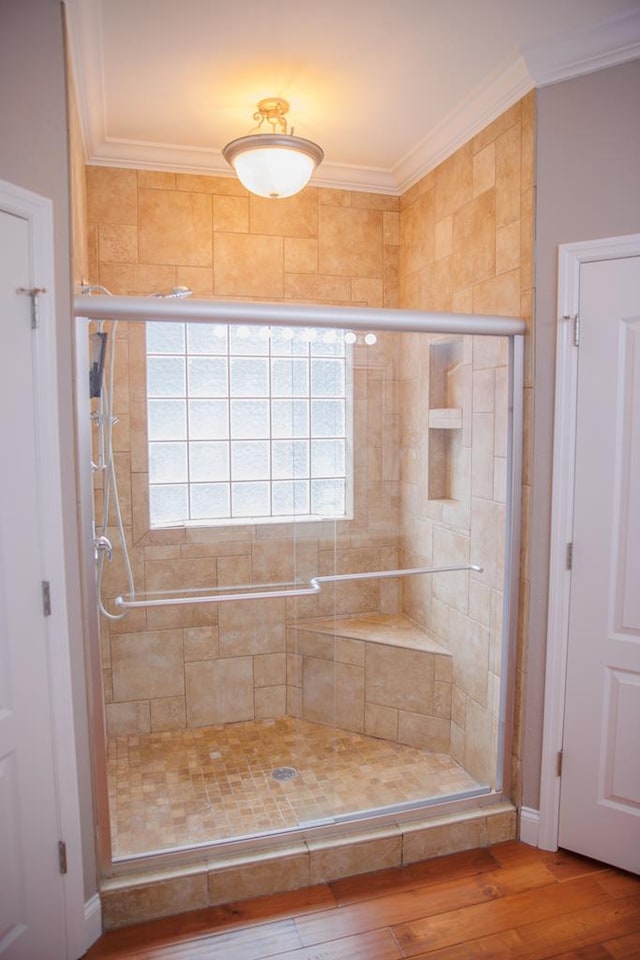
(177, 293)
(94, 288)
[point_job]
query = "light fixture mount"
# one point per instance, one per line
(274, 164)
(274, 111)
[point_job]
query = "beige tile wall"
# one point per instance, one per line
(461, 240)
(382, 689)
(466, 246)
(150, 231)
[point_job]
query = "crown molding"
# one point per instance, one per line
(607, 43)
(172, 158)
(584, 50)
(84, 32)
(500, 92)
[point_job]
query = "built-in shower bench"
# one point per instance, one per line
(377, 674)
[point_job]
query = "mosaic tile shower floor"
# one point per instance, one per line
(212, 783)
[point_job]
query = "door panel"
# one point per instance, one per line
(600, 787)
(32, 911)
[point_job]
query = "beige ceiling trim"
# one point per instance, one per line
(605, 44)
(578, 51)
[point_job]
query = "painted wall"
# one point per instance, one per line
(34, 155)
(588, 132)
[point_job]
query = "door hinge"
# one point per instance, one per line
(62, 856)
(570, 556)
(559, 763)
(46, 598)
(34, 293)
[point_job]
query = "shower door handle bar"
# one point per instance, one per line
(219, 597)
(313, 588)
(388, 574)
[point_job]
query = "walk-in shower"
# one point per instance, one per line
(314, 625)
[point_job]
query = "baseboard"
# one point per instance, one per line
(529, 825)
(93, 919)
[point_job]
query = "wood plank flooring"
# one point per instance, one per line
(507, 901)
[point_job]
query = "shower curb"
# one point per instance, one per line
(292, 865)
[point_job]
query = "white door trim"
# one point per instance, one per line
(570, 257)
(38, 211)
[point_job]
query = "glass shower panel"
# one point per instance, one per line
(256, 460)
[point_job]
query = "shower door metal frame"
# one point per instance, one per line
(141, 309)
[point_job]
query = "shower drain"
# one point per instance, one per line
(284, 773)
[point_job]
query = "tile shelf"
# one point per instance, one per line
(445, 418)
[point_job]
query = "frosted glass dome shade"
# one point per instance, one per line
(273, 165)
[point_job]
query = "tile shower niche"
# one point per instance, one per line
(449, 384)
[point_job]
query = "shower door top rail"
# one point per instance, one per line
(293, 589)
(103, 307)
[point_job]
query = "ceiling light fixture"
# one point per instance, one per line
(273, 164)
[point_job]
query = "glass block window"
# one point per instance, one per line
(247, 424)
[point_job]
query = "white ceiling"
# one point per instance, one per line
(388, 88)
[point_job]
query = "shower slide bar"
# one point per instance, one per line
(313, 587)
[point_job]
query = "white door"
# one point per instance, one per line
(32, 905)
(600, 783)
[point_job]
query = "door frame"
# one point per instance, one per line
(38, 211)
(570, 258)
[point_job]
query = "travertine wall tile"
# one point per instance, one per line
(168, 713)
(231, 214)
(219, 691)
(498, 296)
(417, 730)
(201, 643)
(251, 628)
(399, 678)
(381, 721)
(349, 697)
(474, 230)
(418, 234)
(484, 169)
(125, 718)
(200, 183)
(350, 242)
(112, 195)
(454, 182)
(248, 266)
(174, 228)
(300, 255)
(157, 179)
(305, 287)
(444, 237)
(508, 175)
(391, 227)
(508, 254)
(118, 243)
(270, 702)
(318, 690)
(269, 669)
(290, 217)
(131, 655)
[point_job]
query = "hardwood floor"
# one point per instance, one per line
(507, 901)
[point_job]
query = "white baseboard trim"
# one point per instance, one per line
(529, 825)
(93, 919)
